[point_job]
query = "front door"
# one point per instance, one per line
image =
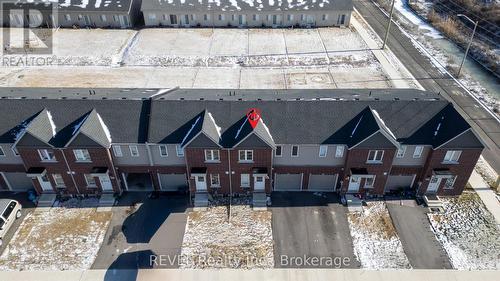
(201, 183)
(105, 183)
(354, 183)
(259, 183)
(86, 18)
(45, 183)
(433, 184)
(123, 21)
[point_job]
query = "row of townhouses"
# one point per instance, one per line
(176, 13)
(81, 141)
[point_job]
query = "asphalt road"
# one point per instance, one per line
(419, 242)
(307, 225)
(433, 80)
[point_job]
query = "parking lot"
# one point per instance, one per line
(142, 227)
(309, 224)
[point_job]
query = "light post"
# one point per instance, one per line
(470, 41)
(388, 25)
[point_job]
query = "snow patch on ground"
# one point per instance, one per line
(66, 237)
(211, 241)
(376, 243)
(486, 171)
(468, 233)
(402, 7)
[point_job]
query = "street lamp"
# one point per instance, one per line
(470, 41)
(388, 25)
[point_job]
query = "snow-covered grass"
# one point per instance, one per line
(67, 237)
(376, 243)
(468, 233)
(486, 171)
(211, 241)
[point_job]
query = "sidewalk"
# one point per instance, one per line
(486, 194)
(251, 275)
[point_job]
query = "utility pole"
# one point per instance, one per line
(470, 41)
(388, 25)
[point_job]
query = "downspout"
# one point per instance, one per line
(230, 182)
(150, 156)
(118, 180)
(69, 170)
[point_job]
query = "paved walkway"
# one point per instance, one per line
(251, 275)
(486, 194)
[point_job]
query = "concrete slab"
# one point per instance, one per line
(217, 78)
(304, 42)
(365, 77)
(315, 78)
(266, 41)
(262, 78)
(229, 42)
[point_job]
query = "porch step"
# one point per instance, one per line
(107, 200)
(200, 201)
(354, 204)
(259, 201)
(46, 200)
(433, 201)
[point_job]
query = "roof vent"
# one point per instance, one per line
(317, 99)
(179, 98)
(240, 99)
(63, 98)
(124, 98)
(376, 98)
(202, 99)
(4, 97)
(43, 98)
(297, 98)
(221, 99)
(396, 98)
(104, 98)
(415, 98)
(23, 98)
(278, 99)
(84, 98)
(356, 98)
(259, 99)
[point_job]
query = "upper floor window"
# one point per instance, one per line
(418, 151)
(58, 180)
(163, 150)
(134, 151)
(452, 156)
(214, 180)
(2, 153)
(179, 150)
(278, 152)
(339, 151)
(90, 180)
(295, 151)
(212, 155)
(375, 156)
(245, 155)
(46, 155)
(81, 154)
(323, 150)
(401, 152)
(117, 150)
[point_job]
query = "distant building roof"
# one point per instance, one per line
(78, 5)
(247, 5)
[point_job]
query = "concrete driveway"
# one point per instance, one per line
(419, 242)
(142, 227)
(307, 224)
(28, 207)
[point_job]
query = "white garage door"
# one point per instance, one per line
(322, 182)
(172, 182)
(18, 181)
(288, 182)
(396, 182)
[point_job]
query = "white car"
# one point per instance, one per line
(10, 210)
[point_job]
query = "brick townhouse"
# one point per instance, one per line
(81, 141)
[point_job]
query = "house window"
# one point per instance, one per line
(103, 18)
(58, 180)
(369, 182)
(173, 19)
(214, 180)
(193, 17)
(401, 152)
(295, 151)
(232, 17)
(245, 180)
(418, 151)
(186, 19)
(221, 17)
(245, 155)
(46, 155)
(323, 150)
(2, 153)
(67, 17)
(117, 150)
(163, 150)
(339, 151)
(325, 17)
(134, 152)
(80, 17)
(290, 17)
(452, 156)
(278, 152)
(212, 155)
(254, 17)
(179, 150)
(152, 16)
(450, 182)
(115, 18)
(303, 17)
(205, 17)
(81, 155)
(90, 180)
(14, 150)
(375, 156)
